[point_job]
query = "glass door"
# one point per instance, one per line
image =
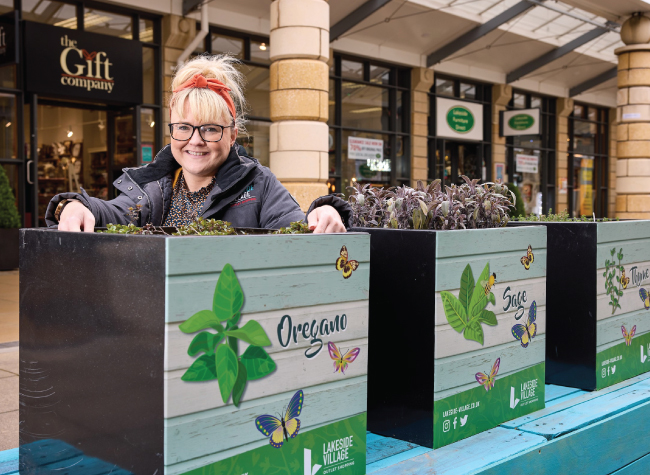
(454, 159)
(123, 140)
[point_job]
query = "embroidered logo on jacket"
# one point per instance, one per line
(245, 197)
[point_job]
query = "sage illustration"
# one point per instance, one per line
(466, 313)
(614, 291)
(221, 359)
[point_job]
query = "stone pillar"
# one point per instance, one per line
(177, 33)
(613, 154)
(299, 83)
(421, 82)
(501, 96)
(633, 117)
(564, 108)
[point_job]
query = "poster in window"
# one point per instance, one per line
(586, 191)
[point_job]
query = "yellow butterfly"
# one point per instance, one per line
(624, 280)
(645, 297)
(344, 265)
(528, 259)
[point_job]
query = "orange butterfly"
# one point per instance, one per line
(344, 265)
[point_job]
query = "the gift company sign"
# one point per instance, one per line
(89, 70)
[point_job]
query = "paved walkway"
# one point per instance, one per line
(8, 360)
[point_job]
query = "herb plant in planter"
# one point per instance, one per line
(598, 330)
(9, 225)
(469, 353)
(221, 353)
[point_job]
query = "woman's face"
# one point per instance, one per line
(201, 159)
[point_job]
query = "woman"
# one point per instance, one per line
(203, 172)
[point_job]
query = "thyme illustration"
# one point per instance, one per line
(614, 291)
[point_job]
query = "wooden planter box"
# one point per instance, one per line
(585, 345)
(108, 324)
(422, 373)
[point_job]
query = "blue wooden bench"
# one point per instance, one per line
(603, 432)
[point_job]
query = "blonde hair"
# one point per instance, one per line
(207, 106)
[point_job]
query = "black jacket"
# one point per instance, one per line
(246, 194)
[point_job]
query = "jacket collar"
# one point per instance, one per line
(236, 166)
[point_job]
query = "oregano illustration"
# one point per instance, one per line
(467, 313)
(220, 359)
(611, 267)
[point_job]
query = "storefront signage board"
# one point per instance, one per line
(526, 163)
(85, 66)
(519, 122)
(361, 148)
(459, 119)
(8, 40)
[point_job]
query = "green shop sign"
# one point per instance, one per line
(460, 119)
(521, 122)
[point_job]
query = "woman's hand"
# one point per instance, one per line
(76, 217)
(324, 219)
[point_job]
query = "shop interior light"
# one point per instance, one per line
(152, 124)
(90, 20)
(101, 125)
(365, 111)
(8, 124)
(70, 132)
(263, 46)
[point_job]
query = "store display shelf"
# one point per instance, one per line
(600, 432)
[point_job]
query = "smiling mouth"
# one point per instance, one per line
(196, 154)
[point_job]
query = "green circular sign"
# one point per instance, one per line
(460, 119)
(521, 122)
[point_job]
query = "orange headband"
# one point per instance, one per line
(199, 81)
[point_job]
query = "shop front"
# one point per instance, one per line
(529, 126)
(459, 130)
(85, 100)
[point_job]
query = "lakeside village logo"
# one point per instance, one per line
(87, 70)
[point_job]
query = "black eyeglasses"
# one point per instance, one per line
(207, 132)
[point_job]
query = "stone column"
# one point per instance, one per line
(564, 108)
(613, 154)
(421, 82)
(501, 96)
(177, 33)
(633, 117)
(299, 83)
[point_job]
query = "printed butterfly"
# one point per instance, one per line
(281, 429)
(624, 280)
(344, 265)
(341, 362)
(645, 298)
(528, 259)
(488, 381)
(628, 336)
(527, 332)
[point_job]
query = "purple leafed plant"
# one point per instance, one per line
(467, 206)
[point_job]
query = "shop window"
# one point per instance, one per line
(54, 13)
(148, 75)
(365, 107)
(369, 124)
(6, 6)
(379, 74)
(531, 158)
(108, 23)
(260, 52)
(352, 69)
(444, 87)
(256, 142)
(148, 132)
(257, 90)
(588, 161)
(8, 127)
(460, 154)
(12, 173)
(8, 76)
(146, 30)
(227, 44)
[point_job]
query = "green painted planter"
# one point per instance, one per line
(590, 311)
(437, 337)
(127, 338)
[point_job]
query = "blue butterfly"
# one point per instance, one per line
(280, 430)
(526, 332)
